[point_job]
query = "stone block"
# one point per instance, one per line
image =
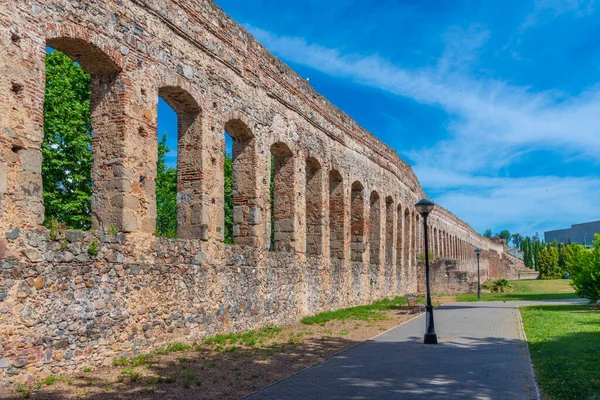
(31, 160)
(238, 214)
(129, 222)
(255, 216)
(35, 256)
(73, 236)
(13, 235)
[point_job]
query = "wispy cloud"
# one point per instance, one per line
(548, 10)
(491, 125)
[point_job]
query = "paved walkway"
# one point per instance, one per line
(481, 354)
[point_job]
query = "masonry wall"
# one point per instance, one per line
(345, 232)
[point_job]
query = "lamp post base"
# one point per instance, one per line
(430, 338)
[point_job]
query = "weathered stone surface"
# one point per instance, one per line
(73, 236)
(20, 362)
(13, 234)
(33, 255)
(346, 231)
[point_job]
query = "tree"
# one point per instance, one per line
(504, 234)
(584, 267)
(548, 263)
(527, 252)
(166, 194)
(66, 148)
(487, 233)
(517, 239)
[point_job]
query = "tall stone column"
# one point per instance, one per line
(21, 123)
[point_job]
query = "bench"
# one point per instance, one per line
(414, 307)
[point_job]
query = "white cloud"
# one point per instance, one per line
(492, 124)
(548, 10)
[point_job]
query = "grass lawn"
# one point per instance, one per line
(527, 289)
(565, 348)
(374, 311)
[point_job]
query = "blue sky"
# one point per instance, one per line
(495, 105)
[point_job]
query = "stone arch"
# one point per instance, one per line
(399, 247)
(375, 230)
(113, 199)
(389, 230)
(314, 207)
(190, 224)
(247, 214)
(336, 215)
(443, 244)
(283, 201)
(407, 238)
(357, 221)
(95, 60)
(419, 233)
(414, 246)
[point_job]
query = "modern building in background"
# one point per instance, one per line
(578, 233)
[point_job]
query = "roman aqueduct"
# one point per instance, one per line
(345, 228)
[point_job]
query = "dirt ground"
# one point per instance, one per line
(217, 370)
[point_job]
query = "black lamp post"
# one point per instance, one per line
(424, 207)
(478, 252)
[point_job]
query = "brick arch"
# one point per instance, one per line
(69, 38)
(375, 229)
(400, 280)
(114, 199)
(337, 227)
(247, 211)
(357, 221)
(190, 223)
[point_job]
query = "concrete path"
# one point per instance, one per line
(481, 354)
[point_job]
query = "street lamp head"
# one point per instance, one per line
(478, 251)
(424, 207)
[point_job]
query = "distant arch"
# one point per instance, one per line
(357, 221)
(336, 215)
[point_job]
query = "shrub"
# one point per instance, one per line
(499, 285)
(94, 248)
(585, 270)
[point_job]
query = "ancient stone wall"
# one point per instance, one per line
(345, 228)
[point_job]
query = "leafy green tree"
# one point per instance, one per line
(66, 148)
(584, 267)
(504, 234)
(487, 233)
(526, 249)
(166, 194)
(548, 265)
(517, 239)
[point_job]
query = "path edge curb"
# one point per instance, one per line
(533, 373)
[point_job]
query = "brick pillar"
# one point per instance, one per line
(315, 207)
(284, 198)
(21, 123)
(390, 259)
(124, 154)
